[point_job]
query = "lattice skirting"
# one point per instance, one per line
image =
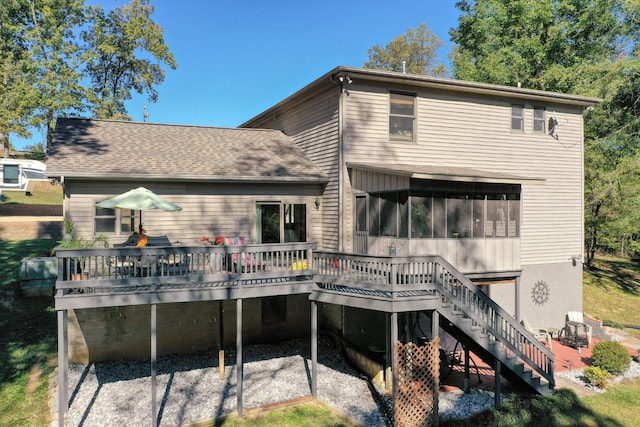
(417, 370)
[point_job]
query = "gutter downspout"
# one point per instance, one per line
(341, 106)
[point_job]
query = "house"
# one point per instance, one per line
(488, 177)
(418, 204)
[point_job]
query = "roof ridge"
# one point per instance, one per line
(130, 122)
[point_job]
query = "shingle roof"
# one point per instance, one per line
(120, 149)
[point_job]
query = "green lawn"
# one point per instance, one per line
(41, 193)
(612, 292)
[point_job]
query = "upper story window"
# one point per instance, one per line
(539, 122)
(517, 117)
(402, 117)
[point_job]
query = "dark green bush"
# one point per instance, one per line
(611, 356)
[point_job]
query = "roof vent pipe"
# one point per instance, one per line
(519, 84)
(404, 67)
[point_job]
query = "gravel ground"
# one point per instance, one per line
(577, 376)
(189, 388)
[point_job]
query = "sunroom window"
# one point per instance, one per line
(462, 211)
(402, 117)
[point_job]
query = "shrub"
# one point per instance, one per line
(597, 377)
(611, 356)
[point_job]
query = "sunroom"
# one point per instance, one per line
(472, 218)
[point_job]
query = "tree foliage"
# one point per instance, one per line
(586, 47)
(62, 57)
(416, 48)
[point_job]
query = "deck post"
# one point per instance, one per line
(466, 369)
(392, 353)
(239, 367)
(220, 340)
(517, 296)
(435, 324)
(154, 360)
(63, 366)
(497, 383)
(314, 349)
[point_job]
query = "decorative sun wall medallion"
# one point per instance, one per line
(540, 292)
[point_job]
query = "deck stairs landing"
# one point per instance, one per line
(431, 283)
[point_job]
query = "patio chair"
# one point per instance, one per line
(541, 334)
(576, 327)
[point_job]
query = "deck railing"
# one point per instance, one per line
(418, 276)
(82, 270)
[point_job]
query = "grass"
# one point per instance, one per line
(42, 193)
(27, 357)
(611, 292)
(11, 254)
(303, 415)
(617, 407)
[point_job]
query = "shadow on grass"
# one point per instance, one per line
(28, 336)
(620, 273)
(11, 254)
(560, 409)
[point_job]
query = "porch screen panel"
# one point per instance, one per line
(374, 215)
(388, 215)
(421, 217)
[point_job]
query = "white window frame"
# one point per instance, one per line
(402, 98)
(517, 118)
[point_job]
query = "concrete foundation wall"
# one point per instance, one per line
(115, 333)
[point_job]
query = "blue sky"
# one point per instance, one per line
(237, 58)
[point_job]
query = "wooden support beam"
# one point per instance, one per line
(497, 384)
(314, 349)
(63, 366)
(154, 364)
(220, 340)
(392, 356)
(239, 367)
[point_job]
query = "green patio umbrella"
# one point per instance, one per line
(139, 199)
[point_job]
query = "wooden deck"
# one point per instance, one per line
(154, 275)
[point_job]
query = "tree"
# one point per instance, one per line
(586, 47)
(116, 67)
(557, 45)
(15, 88)
(417, 49)
(61, 57)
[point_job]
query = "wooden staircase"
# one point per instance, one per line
(492, 334)
(428, 283)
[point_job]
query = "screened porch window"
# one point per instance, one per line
(465, 211)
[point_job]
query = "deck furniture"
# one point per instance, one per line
(541, 334)
(577, 331)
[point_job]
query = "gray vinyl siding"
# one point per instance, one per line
(207, 209)
(313, 125)
(475, 132)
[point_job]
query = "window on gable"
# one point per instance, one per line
(539, 122)
(517, 117)
(402, 117)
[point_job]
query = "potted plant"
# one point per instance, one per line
(70, 241)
